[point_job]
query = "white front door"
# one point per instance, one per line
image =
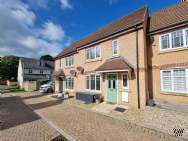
(125, 94)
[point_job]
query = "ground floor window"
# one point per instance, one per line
(70, 83)
(125, 81)
(93, 82)
(174, 80)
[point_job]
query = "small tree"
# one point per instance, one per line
(9, 67)
(47, 58)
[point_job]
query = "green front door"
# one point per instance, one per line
(112, 88)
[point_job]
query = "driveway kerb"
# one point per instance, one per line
(62, 132)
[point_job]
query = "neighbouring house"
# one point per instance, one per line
(137, 59)
(33, 70)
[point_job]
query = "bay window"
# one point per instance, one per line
(70, 83)
(174, 80)
(93, 82)
(93, 53)
(173, 40)
(69, 61)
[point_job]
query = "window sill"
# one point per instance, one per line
(125, 90)
(114, 56)
(68, 90)
(175, 93)
(93, 91)
(173, 50)
(94, 60)
(69, 67)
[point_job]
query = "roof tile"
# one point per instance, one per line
(124, 23)
(170, 16)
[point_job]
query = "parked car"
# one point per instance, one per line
(46, 88)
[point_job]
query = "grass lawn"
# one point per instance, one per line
(15, 89)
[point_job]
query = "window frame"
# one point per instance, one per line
(115, 40)
(172, 80)
(185, 45)
(41, 71)
(72, 87)
(30, 71)
(89, 76)
(125, 88)
(69, 61)
(88, 53)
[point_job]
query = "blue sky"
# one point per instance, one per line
(47, 26)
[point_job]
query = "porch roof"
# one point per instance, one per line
(114, 65)
(60, 72)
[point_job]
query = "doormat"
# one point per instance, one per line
(119, 109)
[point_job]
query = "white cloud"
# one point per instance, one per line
(19, 35)
(52, 31)
(65, 4)
(23, 14)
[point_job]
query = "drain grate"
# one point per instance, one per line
(119, 109)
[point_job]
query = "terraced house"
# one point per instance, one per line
(131, 61)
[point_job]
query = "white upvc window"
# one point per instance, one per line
(70, 83)
(186, 33)
(30, 71)
(69, 61)
(125, 80)
(93, 82)
(174, 80)
(93, 53)
(174, 40)
(59, 63)
(115, 47)
(177, 39)
(165, 43)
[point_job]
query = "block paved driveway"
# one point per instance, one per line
(85, 125)
(19, 123)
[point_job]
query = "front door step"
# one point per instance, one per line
(108, 108)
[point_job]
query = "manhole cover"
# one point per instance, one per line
(119, 109)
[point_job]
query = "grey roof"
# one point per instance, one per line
(30, 63)
(34, 76)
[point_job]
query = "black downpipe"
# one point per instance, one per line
(137, 66)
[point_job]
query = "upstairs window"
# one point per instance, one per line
(30, 71)
(69, 61)
(173, 40)
(165, 44)
(60, 63)
(41, 71)
(93, 53)
(186, 33)
(177, 39)
(115, 49)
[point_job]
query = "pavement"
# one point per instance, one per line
(85, 125)
(19, 123)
